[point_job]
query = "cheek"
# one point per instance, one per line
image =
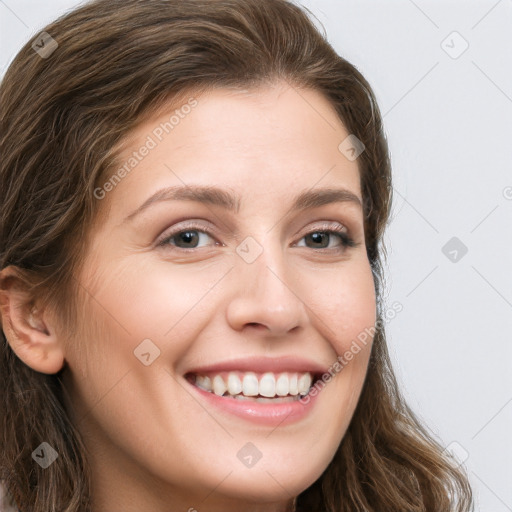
(138, 300)
(345, 313)
(344, 304)
(125, 305)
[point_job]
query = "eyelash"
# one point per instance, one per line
(346, 240)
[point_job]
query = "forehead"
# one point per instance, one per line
(266, 141)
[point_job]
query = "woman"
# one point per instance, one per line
(194, 197)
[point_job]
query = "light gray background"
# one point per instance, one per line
(448, 118)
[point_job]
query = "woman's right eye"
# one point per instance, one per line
(186, 238)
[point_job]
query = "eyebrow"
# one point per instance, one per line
(215, 196)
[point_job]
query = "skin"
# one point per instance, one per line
(151, 443)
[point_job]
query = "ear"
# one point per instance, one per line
(29, 330)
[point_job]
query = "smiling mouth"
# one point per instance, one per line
(265, 387)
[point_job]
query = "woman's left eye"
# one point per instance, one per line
(321, 239)
(191, 238)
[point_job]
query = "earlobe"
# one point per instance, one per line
(26, 328)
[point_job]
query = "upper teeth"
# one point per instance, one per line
(269, 385)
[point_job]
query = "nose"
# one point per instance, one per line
(266, 297)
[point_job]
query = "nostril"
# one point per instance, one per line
(256, 325)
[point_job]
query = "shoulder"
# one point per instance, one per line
(5, 503)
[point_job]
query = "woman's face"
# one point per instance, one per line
(220, 261)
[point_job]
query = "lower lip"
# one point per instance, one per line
(270, 414)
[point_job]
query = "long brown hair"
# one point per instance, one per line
(63, 115)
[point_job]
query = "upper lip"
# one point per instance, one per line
(262, 365)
